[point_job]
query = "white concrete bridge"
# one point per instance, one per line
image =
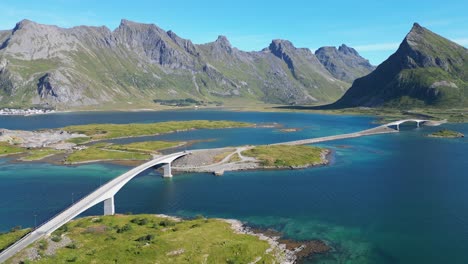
(399, 122)
(105, 194)
(382, 129)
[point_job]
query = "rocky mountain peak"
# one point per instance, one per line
(344, 63)
(126, 22)
(223, 42)
(23, 23)
(280, 45)
(416, 28)
(423, 71)
(347, 50)
(186, 44)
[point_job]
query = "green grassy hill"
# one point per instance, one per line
(427, 70)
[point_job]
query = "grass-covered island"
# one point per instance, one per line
(286, 156)
(220, 160)
(155, 239)
(109, 131)
(445, 133)
(78, 144)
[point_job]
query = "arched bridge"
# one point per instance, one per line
(382, 129)
(105, 194)
(399, 122)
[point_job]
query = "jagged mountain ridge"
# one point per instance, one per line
(344, 63)
(72, 67)
(426, 70)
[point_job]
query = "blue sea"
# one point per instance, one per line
(393, 198)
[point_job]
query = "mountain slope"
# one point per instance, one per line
(426, 70)
(344, 63)
(138, 63)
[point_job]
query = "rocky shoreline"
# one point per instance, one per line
(287, 251)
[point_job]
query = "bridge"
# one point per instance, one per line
(105, 194)
(382, 129)
(399, 122)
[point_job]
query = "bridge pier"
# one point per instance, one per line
(109, 207)
(398, 127)
(167, 170)
(417, 124)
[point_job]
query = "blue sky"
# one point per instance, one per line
(374, 28)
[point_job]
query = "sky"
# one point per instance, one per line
(374, 28)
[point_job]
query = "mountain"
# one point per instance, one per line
(344, 63)
(426, 70)
(137, 63)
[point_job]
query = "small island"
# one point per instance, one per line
(445, 133)
(289, 130)
(220, 160)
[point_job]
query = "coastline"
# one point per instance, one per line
(286, 251)
(283, 250)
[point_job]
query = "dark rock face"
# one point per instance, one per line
(44, 87)
(344, 63)
(141, 62)
(281, 48)
(426, 70)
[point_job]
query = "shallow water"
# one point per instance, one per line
(395, 198)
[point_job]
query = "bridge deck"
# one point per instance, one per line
(368, 132)
(99, 195)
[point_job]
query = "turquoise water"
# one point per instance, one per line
(396, 198)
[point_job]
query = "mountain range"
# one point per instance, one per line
(427, 70)
(140, 63)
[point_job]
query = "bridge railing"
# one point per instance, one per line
(26, 236)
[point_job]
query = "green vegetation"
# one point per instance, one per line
(445, 133)
(148, 238)
(286, 156)
(6, 239)
(221, 156)
(146, 146)
(185, 102)
(109, 131)
(79, 140)
(8, 149)
(235, 158)
(38, 154)
(100, 152)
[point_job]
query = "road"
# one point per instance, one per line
(101, 194)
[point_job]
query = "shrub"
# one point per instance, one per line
(166, 223)
(139, 221)
(198, 217)
(146, 238)
(56, 238)
(71, 246)
(125, 228)
(16, 228)
(42, 245)
(72, 259)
